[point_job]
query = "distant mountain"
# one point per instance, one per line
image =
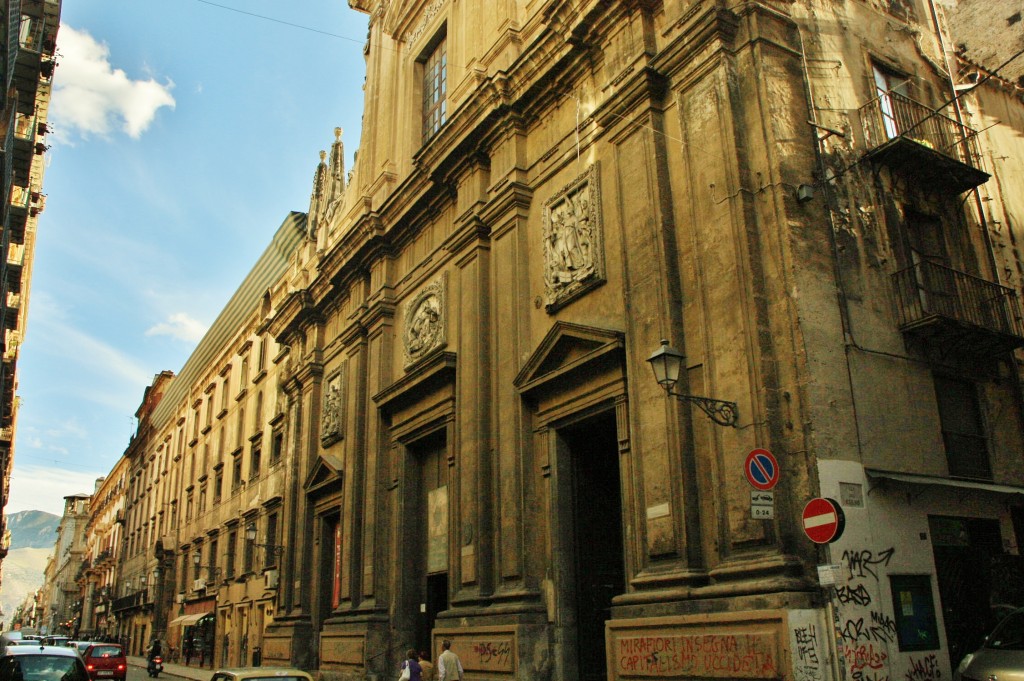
(33, 536)
(23, 571)
(33, 529)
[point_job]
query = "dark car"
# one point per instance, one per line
(41, 663)
(1000, 657)
(105, 661)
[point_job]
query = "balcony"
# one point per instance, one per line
(956, 312)
(919, 142)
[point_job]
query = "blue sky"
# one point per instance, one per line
(185, 131)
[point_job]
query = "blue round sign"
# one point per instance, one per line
(761, 469)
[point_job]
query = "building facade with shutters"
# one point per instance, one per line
(28, 30)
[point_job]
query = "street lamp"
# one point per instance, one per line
(667, 362)
(197, 558)
(250, 535)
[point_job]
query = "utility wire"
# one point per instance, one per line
(280, 21)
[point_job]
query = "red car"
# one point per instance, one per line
(105, 661)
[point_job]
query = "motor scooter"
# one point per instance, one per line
(155, 666)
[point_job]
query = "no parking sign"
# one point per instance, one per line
(761, 469)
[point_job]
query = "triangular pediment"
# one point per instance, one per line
(326, 474)
(566, 349)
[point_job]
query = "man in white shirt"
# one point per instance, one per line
(449, 666)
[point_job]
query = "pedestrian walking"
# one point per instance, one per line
(449, 666)
(427, 666)
(411, 670)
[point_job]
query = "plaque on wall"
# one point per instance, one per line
(573, 241)
(331, 409)
(425, 322)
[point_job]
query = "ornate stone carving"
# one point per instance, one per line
(573, 241)
(425, 322)
(331, 410)
(429, 13)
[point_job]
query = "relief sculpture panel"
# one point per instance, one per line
(331, 415)
(573, 241)
(425, 322)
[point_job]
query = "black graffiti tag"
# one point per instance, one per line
(862, 563)
(856, 596)
(925, 669)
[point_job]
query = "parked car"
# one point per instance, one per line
(105, 661)
(259, 674)
(41, 663)
(1001, 656)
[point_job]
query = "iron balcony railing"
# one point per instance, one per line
(892, 115)
(929, 290)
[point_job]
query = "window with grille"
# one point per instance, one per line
(435, 87)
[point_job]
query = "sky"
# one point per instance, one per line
(184, 133)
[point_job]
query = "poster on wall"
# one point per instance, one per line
(437, 529)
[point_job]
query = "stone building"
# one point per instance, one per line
(788, 193)
(429, 412)
(208, 484)
(61, 604)
(97, 582)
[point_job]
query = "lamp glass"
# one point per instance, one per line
(196, 557)
(666, 362)
(250, 531)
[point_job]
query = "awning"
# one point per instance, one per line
(188, 620)
(947, 482)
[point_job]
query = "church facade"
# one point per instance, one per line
(433, 403)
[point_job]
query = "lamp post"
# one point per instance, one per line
(667, 363)
(250, 536)
(213, 570)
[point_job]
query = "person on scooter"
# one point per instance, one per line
(152, 653)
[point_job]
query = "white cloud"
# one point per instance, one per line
(43, 487)
(179, 325)
(92, 97)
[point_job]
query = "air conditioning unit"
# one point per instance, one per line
(270, 578)
(199, 584)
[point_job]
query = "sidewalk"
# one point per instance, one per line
(178, 670)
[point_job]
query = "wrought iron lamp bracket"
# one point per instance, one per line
(720, 411)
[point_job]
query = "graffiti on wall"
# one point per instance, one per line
(806, 658)
(924, 669)
(864, 632)
(747, 656)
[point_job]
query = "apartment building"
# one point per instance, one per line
(29, 30)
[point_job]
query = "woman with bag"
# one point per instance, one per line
(411, 670)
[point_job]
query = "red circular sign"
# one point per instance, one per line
(761, 469)
(823, 520)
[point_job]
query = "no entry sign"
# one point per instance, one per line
(761, 469)
(824, 521)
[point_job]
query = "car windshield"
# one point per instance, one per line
(41, 668)
(1009, 635)
(105, 651)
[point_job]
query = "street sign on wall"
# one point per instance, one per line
(823, 520)
(761, 469)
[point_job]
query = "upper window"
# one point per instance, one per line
(435, 88)
(893, 92)
(963, 431)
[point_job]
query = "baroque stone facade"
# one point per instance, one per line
(438, 414)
